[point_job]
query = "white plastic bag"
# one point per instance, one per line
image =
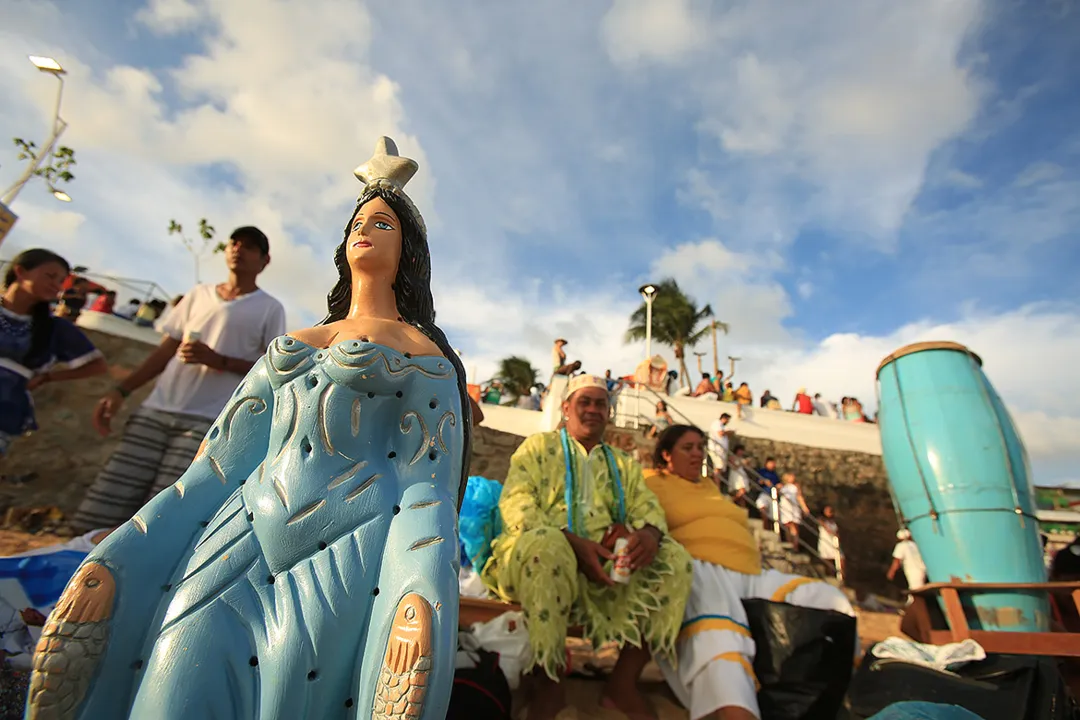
(470, 585)
(507, 636)
(939, 657)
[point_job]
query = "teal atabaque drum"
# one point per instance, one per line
(960, 476)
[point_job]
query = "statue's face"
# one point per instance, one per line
(374, 242)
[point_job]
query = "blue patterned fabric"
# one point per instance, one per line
(264, 582)
(925, 711)
(67, 344)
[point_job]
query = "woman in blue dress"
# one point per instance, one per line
(33, 342)
(305, 566)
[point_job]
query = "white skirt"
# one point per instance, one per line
(715, 649)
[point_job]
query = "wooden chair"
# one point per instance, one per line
(919, 622)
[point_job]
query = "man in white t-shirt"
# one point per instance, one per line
(212, 338)
(906, 554)
(719, 444)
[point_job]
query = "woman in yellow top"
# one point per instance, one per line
(714, 677)
(743, 396)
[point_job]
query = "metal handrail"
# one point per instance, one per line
(758, 484)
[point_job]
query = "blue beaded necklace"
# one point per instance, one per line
(571, 476)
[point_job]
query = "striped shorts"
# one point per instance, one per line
(155, 450)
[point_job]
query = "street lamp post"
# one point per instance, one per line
(50, 66)
(649, 293)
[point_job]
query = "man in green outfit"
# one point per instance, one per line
(567, 499)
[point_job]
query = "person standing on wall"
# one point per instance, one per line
(212, 338)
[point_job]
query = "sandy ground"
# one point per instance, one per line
(14, 541)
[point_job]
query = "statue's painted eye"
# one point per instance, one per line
(382, 226)
(357, 225)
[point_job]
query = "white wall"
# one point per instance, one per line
(119, 327)
(811, 430)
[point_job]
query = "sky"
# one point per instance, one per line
(836, 179)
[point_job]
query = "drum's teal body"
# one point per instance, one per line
(960, 476)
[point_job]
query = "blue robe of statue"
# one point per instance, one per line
(268, 582)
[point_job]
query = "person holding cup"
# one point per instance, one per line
(212, 337)
(584, 542)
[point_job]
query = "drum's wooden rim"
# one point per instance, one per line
(928, 345)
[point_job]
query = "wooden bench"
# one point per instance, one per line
(919, 621)
(474, 610)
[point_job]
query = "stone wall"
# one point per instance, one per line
(856, 485)
(491, 451)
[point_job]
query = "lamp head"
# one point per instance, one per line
(647, 290)
(47, 64)
(60, 194)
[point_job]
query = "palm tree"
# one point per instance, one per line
(677, 321)
(517, 376)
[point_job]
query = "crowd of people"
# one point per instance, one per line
(710, 387)
(715, 387)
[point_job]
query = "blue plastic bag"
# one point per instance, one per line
(479, 521)
(42, 577)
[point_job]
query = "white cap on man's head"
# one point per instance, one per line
(580, 382)
(903, 534)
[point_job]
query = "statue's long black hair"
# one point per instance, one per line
(412, 290)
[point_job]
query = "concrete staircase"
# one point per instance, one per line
(779, 555)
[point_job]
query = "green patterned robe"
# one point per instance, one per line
(533, 564)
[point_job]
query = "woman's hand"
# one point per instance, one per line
(590, 558)
(37, 381)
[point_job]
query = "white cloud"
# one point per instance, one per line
(738, 286)
(961, 179)
(1038, 172)
(1027, 355)
(842, 103)
(62, 226)
(653, 31)
(168, 16)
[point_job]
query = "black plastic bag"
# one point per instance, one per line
(1001, 687)
(481, 691)
(804, 659)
